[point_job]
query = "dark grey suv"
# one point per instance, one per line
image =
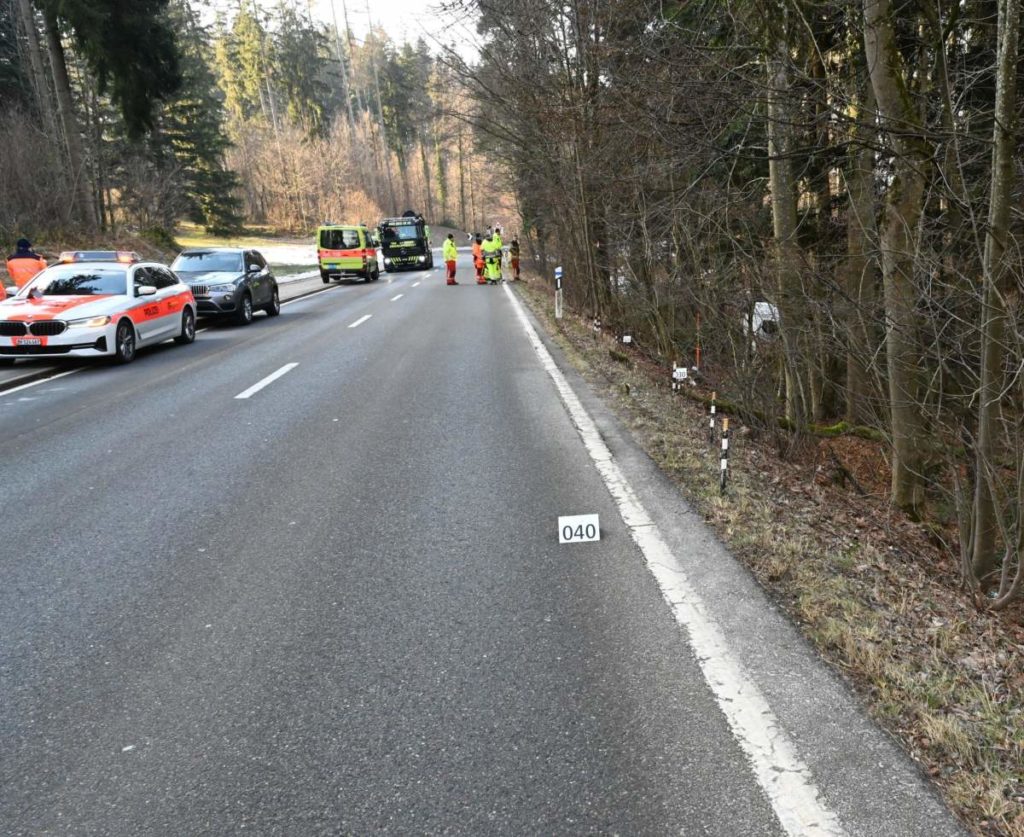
(229, 282)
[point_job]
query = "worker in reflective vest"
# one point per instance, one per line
(478, 259)
(24, 263)
(450, 255)
(501, 252)
(492, 258)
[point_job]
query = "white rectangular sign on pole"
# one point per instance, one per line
(578, 528)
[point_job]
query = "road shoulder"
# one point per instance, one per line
(865, 776)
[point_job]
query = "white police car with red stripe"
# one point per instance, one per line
(87, 307)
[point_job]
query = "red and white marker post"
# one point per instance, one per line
(711, 420)
(725, 454)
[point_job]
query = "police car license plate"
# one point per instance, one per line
(30, 341)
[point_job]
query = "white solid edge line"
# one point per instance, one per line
(396, 298)
(284, 370)
(285, 302)
(47, 380)
(361, 320)
(785, 779)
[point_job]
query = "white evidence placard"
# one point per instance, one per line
(578, 528)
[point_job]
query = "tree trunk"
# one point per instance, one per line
(99, 168)
(346, 78)
(403, 175)
(462, 186)
(442, 178)
(382, 133)
(903, 206)
(822, 363)
(994, 274)
(40, 88)
(790, 302)
(860, 271)
(428, 186)
(85, 211)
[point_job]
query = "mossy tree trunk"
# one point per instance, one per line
(904, 201)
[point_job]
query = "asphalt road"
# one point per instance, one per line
(339, 605)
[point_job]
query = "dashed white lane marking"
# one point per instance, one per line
(415, 284)
(360, 321)
(284, 370)
(396, 298)
(786, 780)
(13, 390)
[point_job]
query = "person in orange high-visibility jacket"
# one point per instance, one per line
(24, 263)
(450, 254)
(478, 259)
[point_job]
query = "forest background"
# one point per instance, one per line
(259, 114)
(853, 165)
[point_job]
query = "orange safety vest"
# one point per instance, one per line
(478, 255)
(21, 269)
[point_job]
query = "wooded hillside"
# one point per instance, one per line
(117, 115)
(849, 166)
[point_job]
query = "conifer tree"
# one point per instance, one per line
(193, 128)
(128, 47)
(299, 59)
(13, 87)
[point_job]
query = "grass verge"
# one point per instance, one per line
(193, 235)
(873, 591)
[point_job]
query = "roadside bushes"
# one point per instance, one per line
(33, 196)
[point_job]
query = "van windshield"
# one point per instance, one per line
(339, 239)
(400, 232)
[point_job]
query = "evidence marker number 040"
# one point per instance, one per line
(578, 528)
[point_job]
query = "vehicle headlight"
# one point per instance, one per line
(89, 322)
(422, 258)
(387, 261)
(222, 289)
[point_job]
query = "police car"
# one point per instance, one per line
(106, 304)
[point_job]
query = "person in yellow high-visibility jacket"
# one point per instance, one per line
(501, 252)
(492, 258)
(450, 254)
